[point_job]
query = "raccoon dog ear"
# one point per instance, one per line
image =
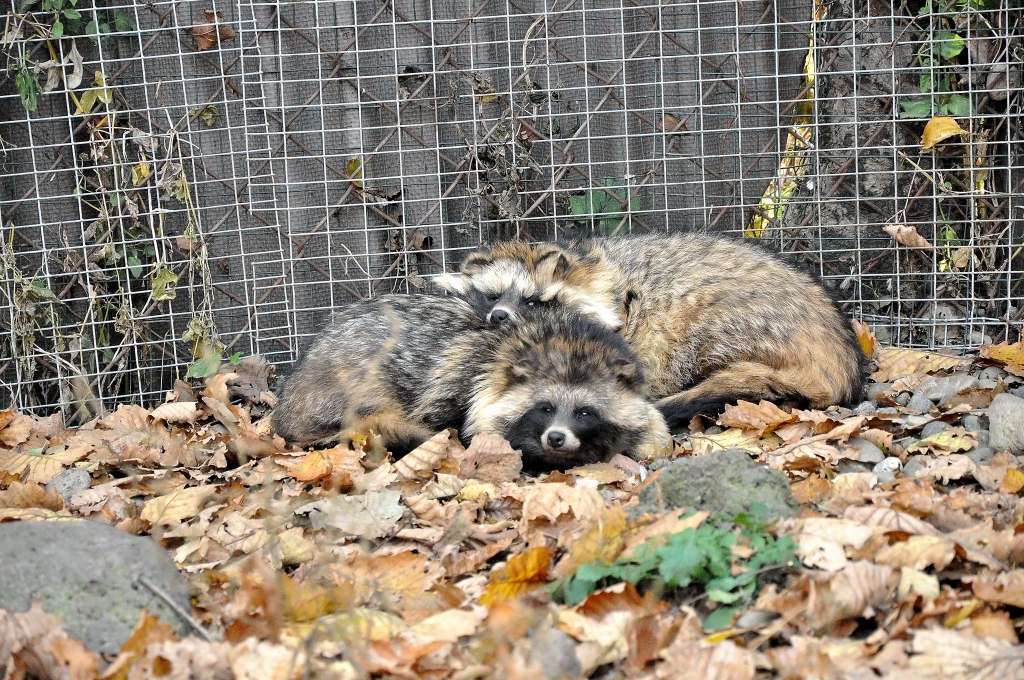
(475, 263)
(453, 283)
(627, 372)
(555, 264)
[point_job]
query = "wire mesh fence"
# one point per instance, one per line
(193, 179)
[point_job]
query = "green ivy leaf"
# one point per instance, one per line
(916, 108)
(57, 30)
(950, 45)
(204, 367)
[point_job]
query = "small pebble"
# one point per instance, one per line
(875, 390)
(886, 469)
(986, 384)
(902, 399)
(865, 408)
(1018, 392)
(916, 464)
(992, 373)
(934, 427)
(971, 423)
(70, 482)
(846, 465)
(869, 453)
(887, 409)
(714, 429)
(984, 438)
(920, 403)
(981, 455)
(940, 389)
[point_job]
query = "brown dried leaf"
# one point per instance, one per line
(339, 464)
(210, 32)
(947, 441)
(996, 625)
(42, 465)
(761, 418)
(894, 362)
(549, 501)
(31, 495)
(918, 552)
(601, 542)
(17, 429)
(33, 644)
(1004, 588)
(940, 654)
(857, 588)
(699, 659)
(420, 463)
(177, 412)
(491, 459)
(907, 235)
(171, 509)
(889, 519)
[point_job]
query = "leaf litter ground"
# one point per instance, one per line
(449, 563)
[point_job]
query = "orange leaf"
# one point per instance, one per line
(761, 418)
(894, 362)
(940, 128)
(865, 338)
(522, 573)
(1011, 356)
(907, 235)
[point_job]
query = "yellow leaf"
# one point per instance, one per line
(354, 170)
(42, 466)
(602, 542)
(947, 441)
(174, 507)
(522, 573)
(865, 338)
(1011, 356)
(86, 102)
(940, 128)
(1013, 482)
(140, 172)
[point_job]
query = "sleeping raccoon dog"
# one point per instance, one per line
(713, 319)
(562, 389)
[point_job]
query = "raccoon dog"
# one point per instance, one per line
(713, 319)
(562, 389)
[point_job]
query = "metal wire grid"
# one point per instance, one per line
(335, 150)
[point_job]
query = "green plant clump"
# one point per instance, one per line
(694, 557)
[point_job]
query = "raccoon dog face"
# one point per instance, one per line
(513, 280)
(567, 392)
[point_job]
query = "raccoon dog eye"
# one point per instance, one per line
(546, 408)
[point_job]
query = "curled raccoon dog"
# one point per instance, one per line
(713, 319)
(562, 389)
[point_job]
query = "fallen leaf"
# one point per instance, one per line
(907, 235)
(761, 418)
(177, 412)
(31, 495)
(522, 574)
(997, 624)
(425, 458)
(865, 338)
(1004, 588)
(211, 31)
(947, 441)
(938, 129)
(1011, 357)
(916, 581)
(34, 644)
(894, 362)
(450, 625)
(43, 464)
(941, 654)
(918, 552)
(171, 509)
(550, 501)
(370, 515)
(490, 459)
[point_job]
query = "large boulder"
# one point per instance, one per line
(89, 574)
(725, 483)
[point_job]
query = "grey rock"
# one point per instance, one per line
(887, 410)
(920, 403)
(939, 389)
(972, 423)
(980, 455)
(1018, 392)
(986, 384)
(869, 453)
(70, 482)
(714, 429)
(1006, 423)
(984, 438)
(555, 652)
(88, 573)
(903, 398)
(725, 483)
(886, 469)
(916, 464)
(934, 427)
(846, 466)
(875, 390)
(865, 408)
(992, 373)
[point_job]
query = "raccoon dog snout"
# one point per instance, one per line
(559, 439)
(500, 315)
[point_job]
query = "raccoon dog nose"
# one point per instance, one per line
(499, 315)
(556, 439)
